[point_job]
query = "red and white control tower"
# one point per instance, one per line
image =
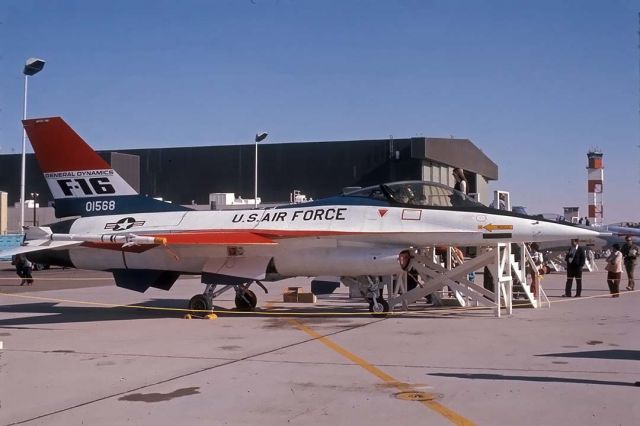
(595, 178)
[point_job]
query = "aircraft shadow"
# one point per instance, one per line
(542, 379)
(55, 313)
(47, 313)
(623, 354)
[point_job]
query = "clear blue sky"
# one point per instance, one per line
(534, 84)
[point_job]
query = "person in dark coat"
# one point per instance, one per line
(575, 258)
(23, 268)
(630, 254)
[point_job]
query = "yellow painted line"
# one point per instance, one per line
(451, 415)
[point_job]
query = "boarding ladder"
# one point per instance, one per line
(433, 277)
(522, 290)
(449, 285)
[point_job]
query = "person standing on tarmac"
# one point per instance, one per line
(630, 253)
(538, 260)
(24, 267)
(614, 270)
(575, 262)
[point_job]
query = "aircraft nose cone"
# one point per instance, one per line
(558, 231)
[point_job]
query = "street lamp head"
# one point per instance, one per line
(261, 136)
(33, 66)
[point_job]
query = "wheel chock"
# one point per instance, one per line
(210, 316)
(187, 316)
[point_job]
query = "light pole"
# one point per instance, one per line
(259, 138)
(31, 67)
(34, 197)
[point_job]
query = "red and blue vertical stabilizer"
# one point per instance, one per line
(81, 182)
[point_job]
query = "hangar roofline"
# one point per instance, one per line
(456, 152)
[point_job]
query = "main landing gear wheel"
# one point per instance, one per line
(380, 309)
(200, 302)
(246, 300)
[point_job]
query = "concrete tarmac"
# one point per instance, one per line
(75, 352)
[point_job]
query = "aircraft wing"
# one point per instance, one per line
(38, 245)
(38, 239)
(624, 230)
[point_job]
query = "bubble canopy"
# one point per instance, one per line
(416, 193)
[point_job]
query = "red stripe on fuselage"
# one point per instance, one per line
(59, 148)
(215, 237)
(253, 236)
(241, 237)
(276, 233)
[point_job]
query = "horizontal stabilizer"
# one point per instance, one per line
(37, 239)
(38, 245)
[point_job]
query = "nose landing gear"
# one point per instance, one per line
(378, 307)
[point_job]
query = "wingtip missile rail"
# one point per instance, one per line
(125, 239)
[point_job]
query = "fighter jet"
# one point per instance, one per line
(145, 243)
(608, 235)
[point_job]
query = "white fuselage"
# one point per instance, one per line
(307, 241)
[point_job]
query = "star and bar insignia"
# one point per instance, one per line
(124, 224)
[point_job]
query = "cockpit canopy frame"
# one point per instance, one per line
(417, 194)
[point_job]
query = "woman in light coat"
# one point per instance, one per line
(614, 270)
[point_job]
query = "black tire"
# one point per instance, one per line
(246, 300)
(199, 303)
(381, 303)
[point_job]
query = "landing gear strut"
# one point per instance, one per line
(377, 305)
(245, 300)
